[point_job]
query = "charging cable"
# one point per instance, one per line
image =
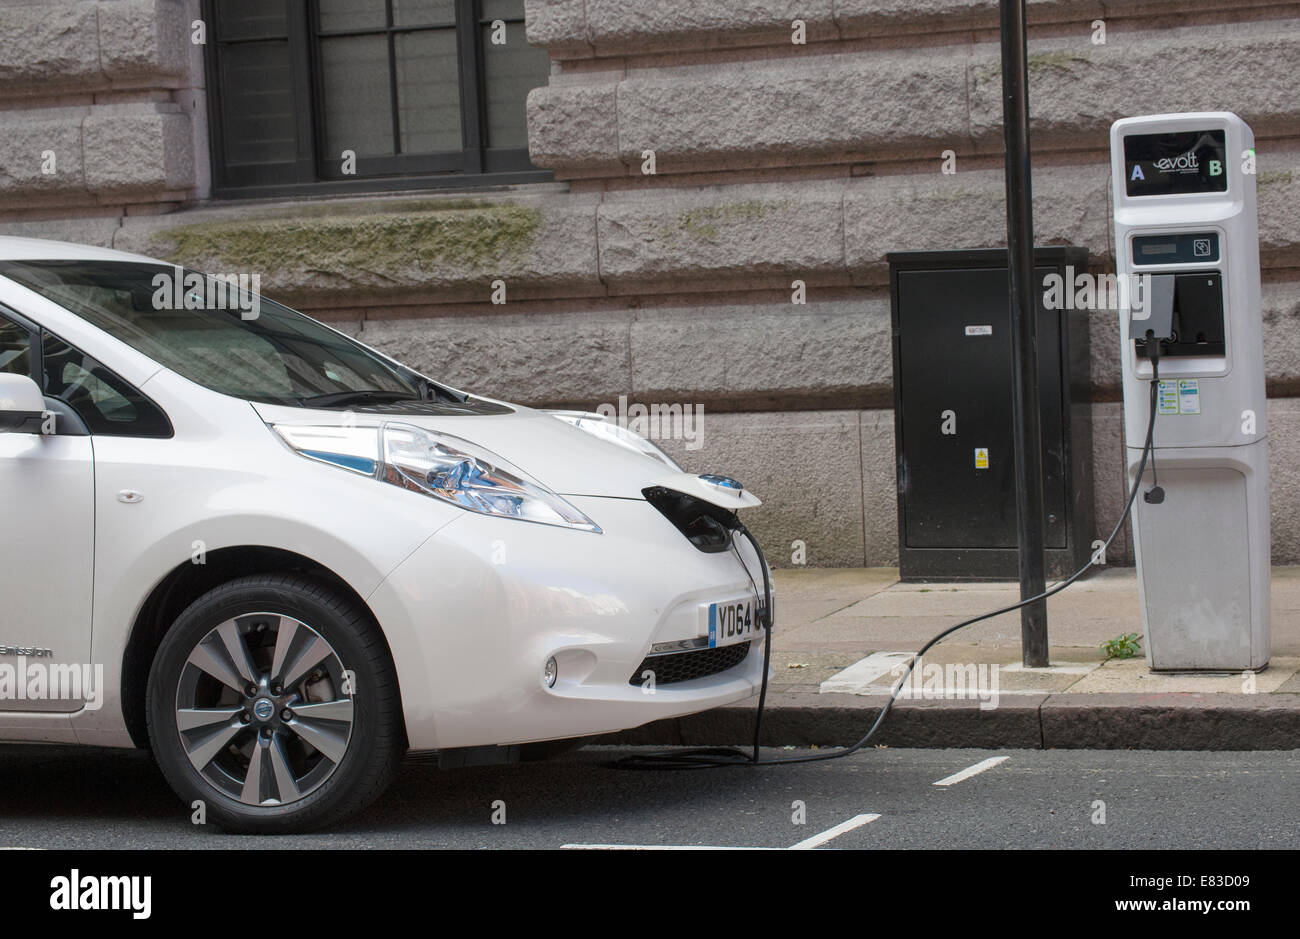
(712, 757)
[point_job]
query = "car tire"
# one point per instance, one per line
(315, 733)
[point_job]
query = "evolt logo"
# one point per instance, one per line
(1187, 163)
(105, 892)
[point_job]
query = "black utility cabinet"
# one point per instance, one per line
(953, 423)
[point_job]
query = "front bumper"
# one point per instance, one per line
(474, 613)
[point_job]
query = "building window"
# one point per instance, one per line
(317, 95)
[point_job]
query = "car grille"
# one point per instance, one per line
(674, 667)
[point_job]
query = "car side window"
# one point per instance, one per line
(15, 348)
(108, 404)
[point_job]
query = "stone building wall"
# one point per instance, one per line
(774, 161)
(102, 114)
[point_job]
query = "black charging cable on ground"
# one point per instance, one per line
(712, 757)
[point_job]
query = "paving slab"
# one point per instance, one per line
(1132, 676)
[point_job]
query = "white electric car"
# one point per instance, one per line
(279, 558)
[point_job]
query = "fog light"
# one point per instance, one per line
(551, 672)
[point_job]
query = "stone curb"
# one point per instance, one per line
(1169, 721)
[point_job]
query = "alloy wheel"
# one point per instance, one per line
(264, 709)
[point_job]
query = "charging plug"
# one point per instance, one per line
(1155, 495)
(1157, 319)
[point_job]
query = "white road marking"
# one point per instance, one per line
(807, 844)
(815, 841)
(970, 771)
(658, 847)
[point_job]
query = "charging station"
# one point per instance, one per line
(1187, 262)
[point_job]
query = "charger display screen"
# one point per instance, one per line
(1175, 163)
(1179, 248)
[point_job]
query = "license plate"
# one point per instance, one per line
(732, 622)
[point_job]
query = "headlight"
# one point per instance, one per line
(596, 425)
(438, 465)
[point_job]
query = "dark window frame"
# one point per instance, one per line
(314, 172)
(36, 336)
(34, 368)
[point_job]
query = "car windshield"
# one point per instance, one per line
(217, 332)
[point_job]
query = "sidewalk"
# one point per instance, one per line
(841, 633)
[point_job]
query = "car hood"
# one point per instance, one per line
(568, 461)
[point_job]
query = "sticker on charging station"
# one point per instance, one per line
(981, 457)
(1182, 396)
(983, 330)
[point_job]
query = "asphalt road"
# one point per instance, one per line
(58, 797)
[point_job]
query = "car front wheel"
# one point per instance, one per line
(273, 702)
